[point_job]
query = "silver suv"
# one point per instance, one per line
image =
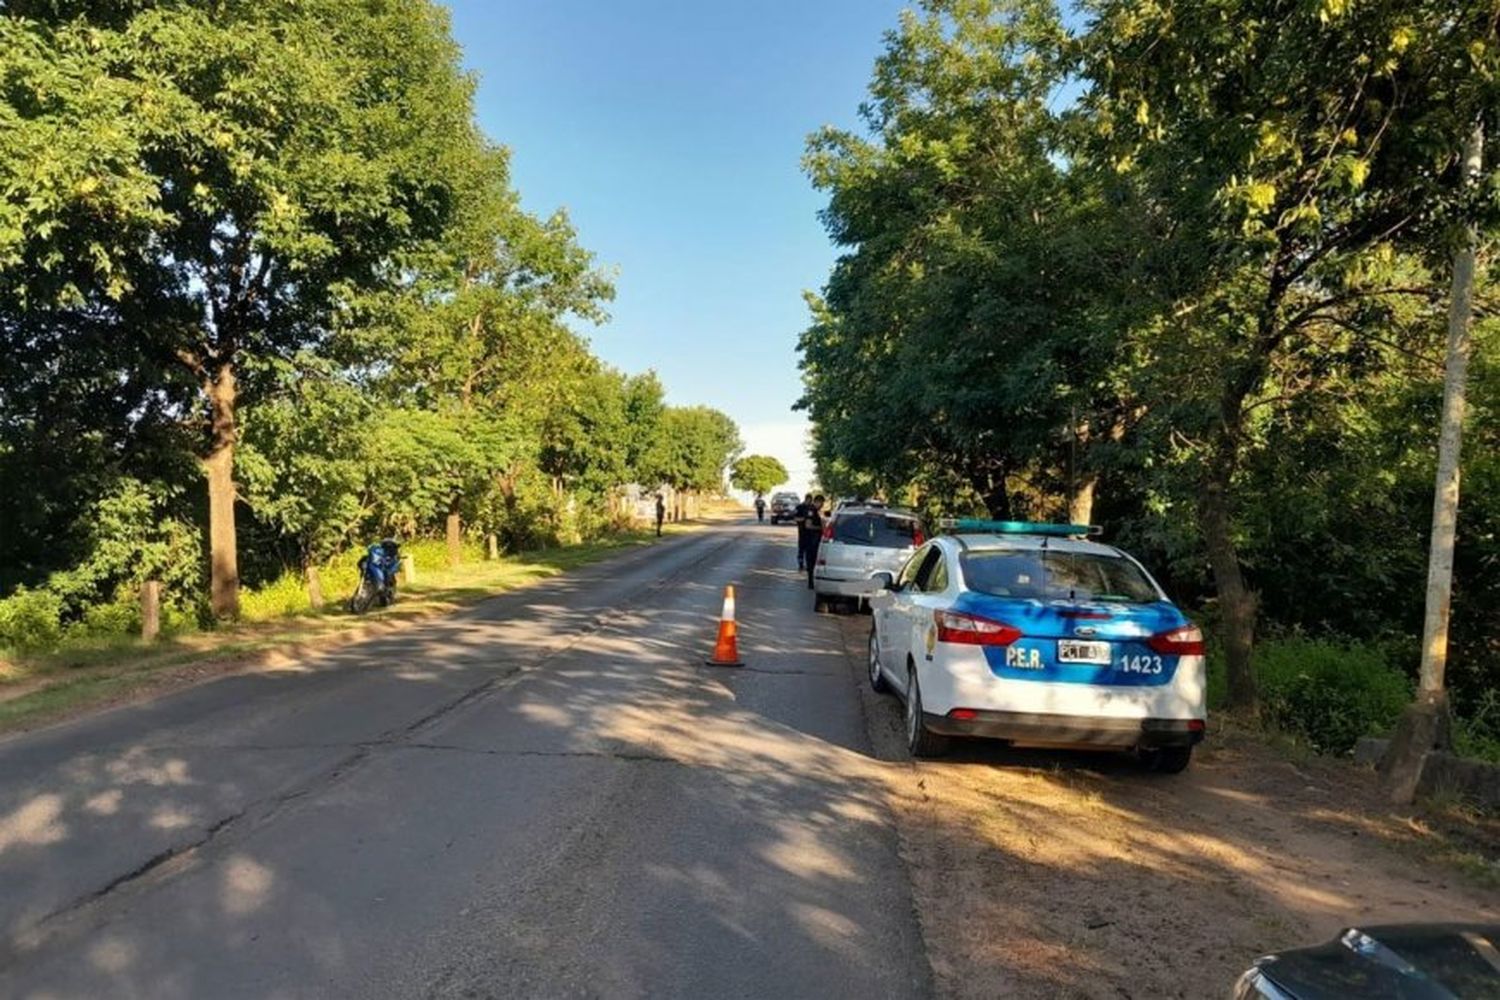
(858, 543)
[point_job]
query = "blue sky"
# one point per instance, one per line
(672, 132)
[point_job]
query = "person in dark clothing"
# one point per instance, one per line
(810, 536)
(799, 517)
(661, 513)
(760, 508)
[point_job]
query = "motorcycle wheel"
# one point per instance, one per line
(363, 597)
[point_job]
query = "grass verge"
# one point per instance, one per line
(88, 674)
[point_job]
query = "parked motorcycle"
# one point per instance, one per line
(377, 576)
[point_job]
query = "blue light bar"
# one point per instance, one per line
(979, 526)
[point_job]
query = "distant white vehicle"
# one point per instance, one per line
(1029, 634)
(859, 543)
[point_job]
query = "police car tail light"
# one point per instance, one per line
(1184, 641)
(971, 630)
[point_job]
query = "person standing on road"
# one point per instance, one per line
(810, 536)
(760, 508)
(799, 517)
(661, 513)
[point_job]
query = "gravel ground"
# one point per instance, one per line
(1051, 874)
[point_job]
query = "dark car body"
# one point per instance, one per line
(783, 507)
(1405, 961)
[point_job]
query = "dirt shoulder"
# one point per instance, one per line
(1070, 875)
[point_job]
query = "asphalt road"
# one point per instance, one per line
(547, 795)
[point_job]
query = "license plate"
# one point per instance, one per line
(1078, 651)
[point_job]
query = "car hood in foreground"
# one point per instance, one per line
(1406, 961)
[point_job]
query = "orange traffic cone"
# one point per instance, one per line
(727, 649)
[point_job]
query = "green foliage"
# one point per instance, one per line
(304, 462)
(1477, 730)
(120, 618)
(30, 620)
(1328, 693)
(133, 537)
(758, 474)
(274, 231)
(692, 451)
(1205, 299)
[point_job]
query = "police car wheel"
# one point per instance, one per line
(919, 740)
(878, 683)
(1169, 760)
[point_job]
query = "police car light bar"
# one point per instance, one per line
(975, 525)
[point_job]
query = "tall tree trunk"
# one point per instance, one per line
(218, 466)
(455, 534)
(1445, 492)
(1237, 602)
(1426, 724)
(1081, 502)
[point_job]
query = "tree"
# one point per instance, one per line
(304, 464)
(759, 474)
(1235, 226)
(693, 448)
(267, 161)
(1426, 723)
(962, 340)
(1286, 149)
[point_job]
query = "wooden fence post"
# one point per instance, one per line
(493, 542)
(150, 610)
(409, 568)
(314, 587)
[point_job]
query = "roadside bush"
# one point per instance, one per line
(117, 618)
(287, 594)
(31, 620)
(283, 596)
(1327, 693)
(430, 554)
(1476, 731)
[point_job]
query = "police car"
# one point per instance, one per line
(1037, 635)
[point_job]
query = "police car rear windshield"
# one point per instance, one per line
(884, 531)
(1056, 576)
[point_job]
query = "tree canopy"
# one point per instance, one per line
(758, 474)
(263, 277)
(1178, 269)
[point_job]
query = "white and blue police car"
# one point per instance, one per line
(1036, 635)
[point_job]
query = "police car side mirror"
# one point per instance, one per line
(884, 581)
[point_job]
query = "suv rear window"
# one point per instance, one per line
(884, 531)
(1053, 576)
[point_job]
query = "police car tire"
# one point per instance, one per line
(878, 683)
(1171, 760)
(919, 740)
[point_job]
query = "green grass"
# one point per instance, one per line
(91, 670)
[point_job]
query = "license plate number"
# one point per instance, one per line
(1078, 651)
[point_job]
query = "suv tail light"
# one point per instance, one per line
(828, 530)
(971, 630)
(917, 538)
(1184, 641)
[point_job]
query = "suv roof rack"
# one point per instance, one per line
(980, 526)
